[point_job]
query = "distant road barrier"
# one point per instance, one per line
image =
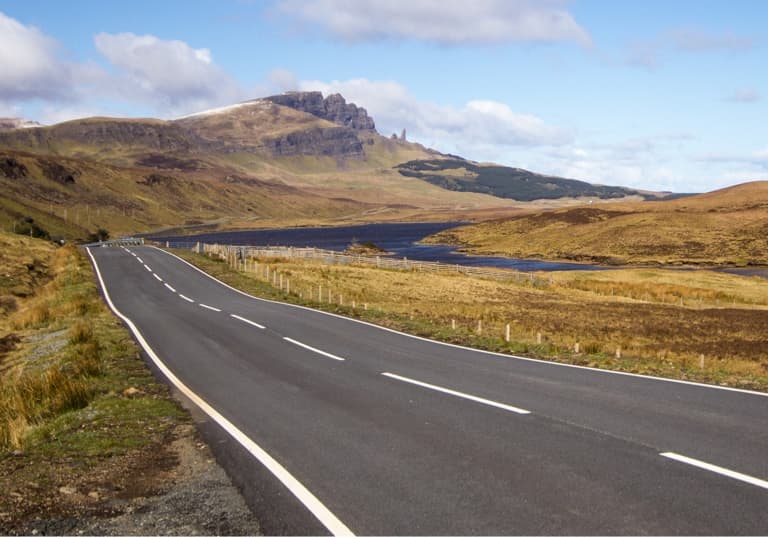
(234, 253)
(127, 241)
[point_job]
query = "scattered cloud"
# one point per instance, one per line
(29, 63)
(744, 95)
(479, 126)
(649, 52)
(448, 22)
(168, 73)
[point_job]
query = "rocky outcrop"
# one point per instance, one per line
(12, 168)
(56, 172)
(155, 135)
(333, 108)
(338, 142)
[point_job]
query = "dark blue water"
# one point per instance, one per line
(400, 239)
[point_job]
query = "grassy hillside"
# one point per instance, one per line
(728, 226)
(252, 164)
(505, 182)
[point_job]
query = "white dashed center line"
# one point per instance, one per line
(209, 307)
(186, 298)
(717, 469)
(318, 351)
(474, 398)
(158, 278)
(139, 259)
(248, 321)
(147, 267)
(171, 289)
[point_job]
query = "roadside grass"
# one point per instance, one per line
(73, 384)
(638, 328)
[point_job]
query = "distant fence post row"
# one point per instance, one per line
(330, 257)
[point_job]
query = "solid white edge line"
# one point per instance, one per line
(462, 395)
(171, 289)
(318, 351)
(717, 469)
(186, 298)
(310, 501)
(480, 351)
(158, 278)
(206, 306)
(257, 325)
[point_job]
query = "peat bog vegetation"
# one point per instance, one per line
(693, 325)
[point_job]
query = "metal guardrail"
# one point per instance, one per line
(126, 241)
(331, 257)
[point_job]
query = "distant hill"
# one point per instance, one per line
(295, 157)
(505, 182)
(726, 227)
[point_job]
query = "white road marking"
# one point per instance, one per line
(318, 351)
(545, 363)
(717, 469)
(147, 267)
(310, 501)
(474, 398)
(139, 260)
(134, 255)
(206, 306)
(171, 289)
(158, 278)
(186, 298)
(257, 325)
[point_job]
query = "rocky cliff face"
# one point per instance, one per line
(333, 108)
(338, 142)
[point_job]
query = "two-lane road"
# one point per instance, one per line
(377, 432)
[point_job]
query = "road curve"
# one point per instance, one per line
(376, 432)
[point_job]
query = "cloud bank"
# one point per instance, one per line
(479, 125)
(447, 22)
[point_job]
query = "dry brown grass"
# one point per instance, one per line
(35, 390)
(601, 312)
(725, 227)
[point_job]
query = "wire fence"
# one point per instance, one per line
(331, 257)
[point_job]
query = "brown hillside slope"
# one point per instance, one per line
(247, 164)
(728, 226)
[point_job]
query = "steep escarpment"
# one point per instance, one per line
(332, 108)
(338, 142)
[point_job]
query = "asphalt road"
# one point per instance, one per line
(377, 432)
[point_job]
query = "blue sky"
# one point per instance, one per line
(666, 95)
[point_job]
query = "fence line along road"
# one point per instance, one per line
(330, 257)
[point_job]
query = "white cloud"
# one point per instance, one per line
(170, 74)
(479, 127)
(29, 67)
(442, 21)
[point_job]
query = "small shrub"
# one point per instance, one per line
(81, 332)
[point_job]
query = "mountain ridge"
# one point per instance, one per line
(246, 164)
